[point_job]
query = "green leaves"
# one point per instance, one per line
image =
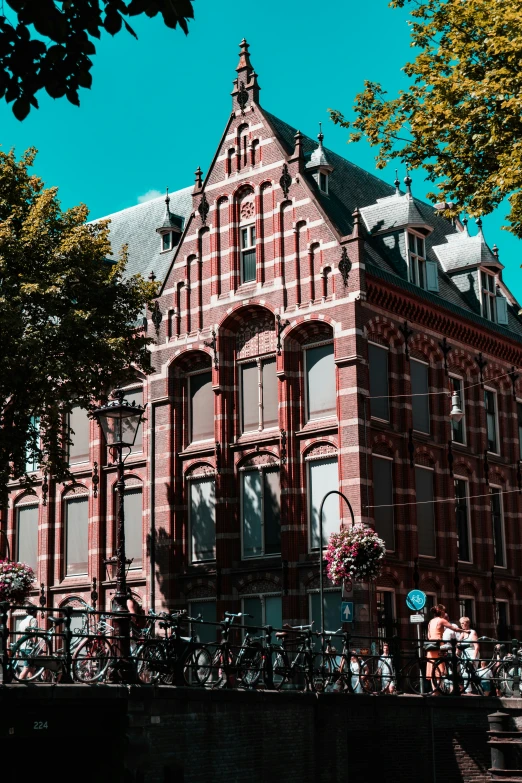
(460, 117)
(60, 63)
(67, 318)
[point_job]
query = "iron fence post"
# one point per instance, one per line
(269, 664)
(67, 634)
(455, 690)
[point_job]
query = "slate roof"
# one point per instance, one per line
(392, 212)
(461, 250)
(136, 227)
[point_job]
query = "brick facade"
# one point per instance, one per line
(302, 236)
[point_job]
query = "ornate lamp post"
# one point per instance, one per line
(321, 566)
(120, 421)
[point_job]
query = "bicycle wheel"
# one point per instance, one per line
(249, 663)
(507, 674)
(151, 665)
(413, 678)
(198, 667)
(325, 670)
(442, 677)
(28, 657)
(280, 670)
(219, 673)
(92, 659)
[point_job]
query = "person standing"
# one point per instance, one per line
(436, 627)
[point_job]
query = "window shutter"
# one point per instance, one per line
(324, 476)
(79, 423)
(270, 400)
(250, 397)
(320, 372)
(272, 511)
(502, 311)
(77, 527)
(201, 407)
(252, 514)
(203, 519)
(27, 535)
(133, 509)
(425, 511)
(432, 276)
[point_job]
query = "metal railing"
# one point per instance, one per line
(81, 645)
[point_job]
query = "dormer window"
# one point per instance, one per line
(417, 254)
(166, 241)
(489, 304)
(248, 254)
(323, 182)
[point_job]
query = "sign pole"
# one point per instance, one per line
(421, 675)
(416, 601)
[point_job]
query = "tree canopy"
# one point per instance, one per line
(48, 44)
(461, 117)
(68, 319)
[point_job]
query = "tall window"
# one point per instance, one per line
(31, 463)
(259, 401)
(206, 634)
(458, 428)
(265, 610)
(502, 612)
(519, 417)
(79, 429)
(133, 507)
(462, 514)
(417, 256)
(77, 535)
(320, 381)
(323, 476)
(202, 519)
(248, 254)
(489, 306)
(383, 500)
(27, 535)
(425, 511)
(490, 403)
(378, 361)
(201, 410)
(136, 396)
(499, 550)
(166, 241)
(385, 613)
(332, 612)
(420, 401)
(467, 609)
(261, 512)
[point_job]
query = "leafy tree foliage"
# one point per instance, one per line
(68, 319)
(460, 118)
(47, 44)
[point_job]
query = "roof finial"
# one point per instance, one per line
(397, 183)
(198, 184)
(152, 277)
(320, 135)
(407, 182)
(465, 224)
(167, 199)
(478, 221)
(495, 250)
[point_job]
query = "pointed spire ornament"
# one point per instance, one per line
(478, 222)
(407, 182)
(465, 224)
(198, 185)
(397, 183)
(298, 148)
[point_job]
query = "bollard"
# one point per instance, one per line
(498, 725)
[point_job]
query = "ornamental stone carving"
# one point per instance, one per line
(256, 337)
(247, 210)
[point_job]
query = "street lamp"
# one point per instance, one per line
(321, 579)
(120, 421)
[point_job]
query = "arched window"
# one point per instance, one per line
(258, 387)
(254, 152)
(242, 133)
(230, 161)
(247, 236)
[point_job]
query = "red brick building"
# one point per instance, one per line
(314, 322)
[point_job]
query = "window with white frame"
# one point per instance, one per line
(133, 509)
(463, 520)
(320, 388)
(202, 518)
(248, 254)
(79, 433)
(378, 367)
(425, 511)
(323, 182)
(77, 535)
(383, 499)
(332, 613)
(488, 292)
(323, 476)
(490, 404)
(166, 241)
(458, 428)
(417, 258)
(27, 535)
(264, 610)
(420, 401)
(259, 394)
(206, 634)
(497, 520)
(201, 407)
(261, 511)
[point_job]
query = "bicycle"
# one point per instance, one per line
(224, 671)
(174, 659)
(36, 652)
(94, 655)
(298, 670)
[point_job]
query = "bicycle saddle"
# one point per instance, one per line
(56, 620)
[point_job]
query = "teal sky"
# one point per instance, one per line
(158, 106)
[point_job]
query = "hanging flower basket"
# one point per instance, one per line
(16, 580)
(354, 554)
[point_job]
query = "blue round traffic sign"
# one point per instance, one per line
(416, 600)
